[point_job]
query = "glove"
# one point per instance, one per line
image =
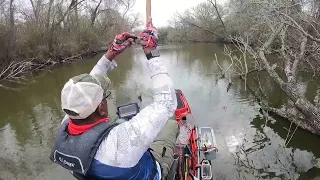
(122, 42)
(149, 37)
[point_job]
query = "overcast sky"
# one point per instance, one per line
(163, 10)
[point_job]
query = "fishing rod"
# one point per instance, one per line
(148, 11)
(148, 18)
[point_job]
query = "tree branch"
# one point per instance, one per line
(94, 14)
(1, 2)
(297, 26)
(317, 98)
(299, 57)
(34, 9)
(218, 13)
(72, 5)
(262, 56)
(287, 60)
(292, 118)
(195, 25)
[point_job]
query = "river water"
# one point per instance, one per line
(249, 146)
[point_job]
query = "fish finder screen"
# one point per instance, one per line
(128, 110)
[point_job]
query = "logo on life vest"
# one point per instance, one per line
(66, 162)
(70, 162)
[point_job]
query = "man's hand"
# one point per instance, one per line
(120, 43)
(149, 38)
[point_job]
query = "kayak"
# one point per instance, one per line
(195, 146)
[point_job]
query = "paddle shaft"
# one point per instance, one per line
(148, 10)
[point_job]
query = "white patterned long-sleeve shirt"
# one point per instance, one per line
(127, 142)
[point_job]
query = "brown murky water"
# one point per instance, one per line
(249, 146)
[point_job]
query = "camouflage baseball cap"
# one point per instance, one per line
(82, 94)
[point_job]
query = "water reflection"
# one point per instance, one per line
(249, 147)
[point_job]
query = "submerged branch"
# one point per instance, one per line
(299, 121)
(16, 72)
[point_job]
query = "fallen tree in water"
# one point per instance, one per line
(17, 71)
(295, 45)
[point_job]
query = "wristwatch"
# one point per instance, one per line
(154, 53)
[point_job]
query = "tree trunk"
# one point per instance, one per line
(310, 111)
(73, 4)
(54, 26)
(302, 123)
(50, 41)
(218, 13)
(50, 27)
(11, 42)
(94, 14)
(49, 14)
(316, 10)
(76, 12)
(36, 9)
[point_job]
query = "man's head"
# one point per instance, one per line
(85, 96)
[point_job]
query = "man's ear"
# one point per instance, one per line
(103, 109)
(100, 110)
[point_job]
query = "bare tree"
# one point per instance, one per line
(204, 23)
(49, 14)
(94, 12)
(11, 45)
(214, 4)
(55, 25)
(292, 51)
(36, 5)
(2, 1)
(43, 33)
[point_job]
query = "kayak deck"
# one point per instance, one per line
(190, 143)
(186, 145)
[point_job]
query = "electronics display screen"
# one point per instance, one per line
(128, 111)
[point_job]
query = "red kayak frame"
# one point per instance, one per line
(191, 161)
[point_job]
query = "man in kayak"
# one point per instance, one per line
(91, 147)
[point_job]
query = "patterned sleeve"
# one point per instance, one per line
(128, 141)
(103, 66)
